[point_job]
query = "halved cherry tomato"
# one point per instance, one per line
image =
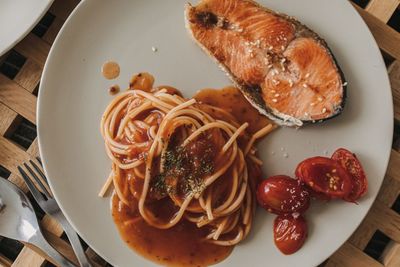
(326, 176)
(352, 165)
(290, 232)
(282, 194)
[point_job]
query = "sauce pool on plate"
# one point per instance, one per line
(181, 245)
(231, 100)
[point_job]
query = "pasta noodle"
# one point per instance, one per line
(165, 148)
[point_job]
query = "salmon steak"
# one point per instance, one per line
(283, 68)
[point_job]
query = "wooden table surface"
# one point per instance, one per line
(375, 243)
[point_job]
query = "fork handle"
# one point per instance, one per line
(73, 239)
(39, 241)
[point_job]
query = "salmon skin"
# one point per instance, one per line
(283, 68)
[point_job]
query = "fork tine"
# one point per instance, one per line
(39, 160)
(38, 181)
(42, 175)
(35, 193)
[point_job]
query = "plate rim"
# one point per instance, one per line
(29, 29)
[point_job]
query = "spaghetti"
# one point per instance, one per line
(173, 161)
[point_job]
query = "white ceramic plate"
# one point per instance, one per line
(17, 18)
(73, 95)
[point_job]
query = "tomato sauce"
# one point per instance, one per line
(232, 100)
(181, 245)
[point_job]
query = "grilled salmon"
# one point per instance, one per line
(283, 68)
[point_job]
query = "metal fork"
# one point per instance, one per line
(50, 206)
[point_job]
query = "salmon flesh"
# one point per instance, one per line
(283, 68)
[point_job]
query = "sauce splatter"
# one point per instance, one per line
(142, 81)
(114, 89)
(110, 70)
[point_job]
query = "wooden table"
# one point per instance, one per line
(375, 243)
